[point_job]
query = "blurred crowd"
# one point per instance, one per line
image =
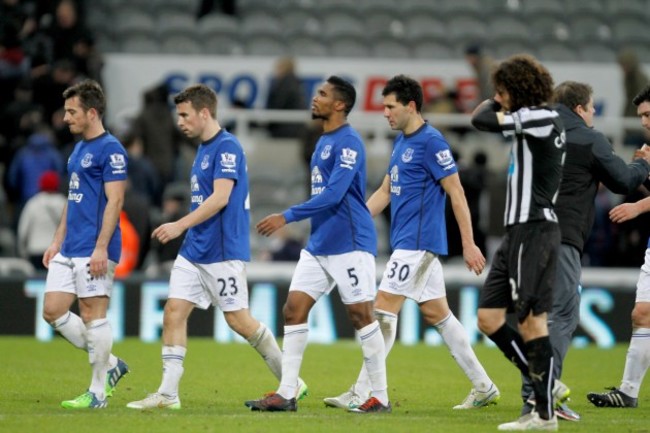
(45, 46)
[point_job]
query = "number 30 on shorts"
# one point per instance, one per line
(402, 273)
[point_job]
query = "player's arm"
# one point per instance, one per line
(210, 207)
(114, 201)
(618, 176)
(627, 211)
(474, 259)
(337, 185)
(380, 198)
(59, 236)
(488, 116)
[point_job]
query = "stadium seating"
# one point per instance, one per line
(559, 29)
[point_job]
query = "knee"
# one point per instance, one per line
(641, 316)
(489, 323)
(360, 319)
(50, 314)
(293, 315)
(172, 315)
(242, 323)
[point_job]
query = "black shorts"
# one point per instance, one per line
(522, 275)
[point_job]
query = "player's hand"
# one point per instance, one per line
(167, 232)
(643, 152)
(49, 254)
(624, 212)
(474, 259)
(271, 224)
(98, 265)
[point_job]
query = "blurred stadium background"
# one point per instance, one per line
(144, 50)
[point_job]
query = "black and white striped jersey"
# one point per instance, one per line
(536, 159)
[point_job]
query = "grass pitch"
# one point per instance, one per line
(424, 384)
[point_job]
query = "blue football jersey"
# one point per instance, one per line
(340, 219)
(92, 164)
(224, 236)
(417, 200)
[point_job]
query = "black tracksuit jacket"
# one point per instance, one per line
(590, 160)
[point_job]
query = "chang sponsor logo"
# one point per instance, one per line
(75, 196)
(394, 178)
(197, 199)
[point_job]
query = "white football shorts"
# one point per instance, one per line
(415, 274)
(353, 273)
(223, 284)
(72, 275)
(643, 285)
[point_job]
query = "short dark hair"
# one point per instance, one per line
(643, 96)
(573, 94)
(406, 89)
(344, 92)
(527, 81)
(199, 96)
(90, 95)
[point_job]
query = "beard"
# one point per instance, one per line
(315, 116)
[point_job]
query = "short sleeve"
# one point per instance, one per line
(439, 159)
(228, 159)
(116, 163)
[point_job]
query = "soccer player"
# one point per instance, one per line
(637, 360)
(589, 162)
(340, 250)
(523, 271)
(209, 268)
(86, 247)
(420, 174)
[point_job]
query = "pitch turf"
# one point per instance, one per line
(424, 384)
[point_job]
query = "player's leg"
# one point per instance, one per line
(638, 354)
(100, 340)
(494, 300)
(637, 362)
(261, 338)
(562, 322)
(534, 276)
(484, 392)
(309, 283)
(354, 274)
(637, 359)
(387, 307)
(60, 293)
(186, 291)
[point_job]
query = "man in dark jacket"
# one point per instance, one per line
(589, 161)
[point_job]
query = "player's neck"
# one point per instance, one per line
(93, 131)
(413, 125)
(210, 131)
(334, 122)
